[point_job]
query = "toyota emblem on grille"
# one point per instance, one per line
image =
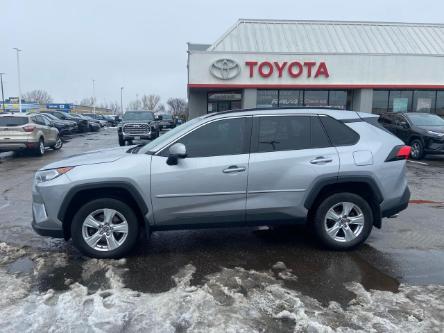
(225, 69)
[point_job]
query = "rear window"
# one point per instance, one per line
(339, 133)
(13, 121)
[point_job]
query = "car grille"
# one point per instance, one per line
(136, 129)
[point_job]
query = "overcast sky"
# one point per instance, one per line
(141, 44)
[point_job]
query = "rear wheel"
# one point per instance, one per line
(343, 221)
(40, 149)
(105, 228)
(417, 152)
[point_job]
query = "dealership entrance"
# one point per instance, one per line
(223, 101)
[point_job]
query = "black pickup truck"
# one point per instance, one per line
(137, 125)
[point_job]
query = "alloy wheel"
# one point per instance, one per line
(344, 222)
(105, 229)
(415, 150)
(41, 147)
(58, 144)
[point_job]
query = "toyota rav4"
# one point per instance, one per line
(335, 170)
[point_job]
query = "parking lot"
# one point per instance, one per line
(246, 279)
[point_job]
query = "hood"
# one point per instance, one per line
(91, 157)
(439, 129)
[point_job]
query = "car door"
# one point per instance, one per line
(209, 185)
(289, 152)
(402, 127)
(52, 131)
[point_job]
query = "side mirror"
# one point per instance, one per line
(176, 151)
(403, 124)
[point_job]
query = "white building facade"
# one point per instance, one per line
(364, 66)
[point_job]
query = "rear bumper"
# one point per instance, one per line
(13, 146)
(397, 206)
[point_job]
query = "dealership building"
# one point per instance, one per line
(365, 66)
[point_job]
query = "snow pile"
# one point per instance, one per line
(231, 300)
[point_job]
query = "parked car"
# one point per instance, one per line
(332, 169)
(99, 118)
(82, 124)
(112, 120)
(28, 132)
(137, 125)
(64, 126)
(166, 121)
(424, 132)
(94, 122)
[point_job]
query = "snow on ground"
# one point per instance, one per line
(231, 300)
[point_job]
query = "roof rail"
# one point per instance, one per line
(276, 109)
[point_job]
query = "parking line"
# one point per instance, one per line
(422, 163)
(4, 206)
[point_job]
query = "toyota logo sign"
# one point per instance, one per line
(225, 69)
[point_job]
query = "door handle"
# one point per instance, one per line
(233, 169)
(321, 160)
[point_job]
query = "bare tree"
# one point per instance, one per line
(114, 107)
(178, 107)
(88, 101)
(38, 96)
(150, 102)
(135, 105)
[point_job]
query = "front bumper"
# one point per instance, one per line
(47, 199)
(434, 146)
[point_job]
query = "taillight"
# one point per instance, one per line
(399, 153)
(28, 128)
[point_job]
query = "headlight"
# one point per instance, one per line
(436, 133)
(45, 175)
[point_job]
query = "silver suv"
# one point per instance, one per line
(28, 132)
(336, 170)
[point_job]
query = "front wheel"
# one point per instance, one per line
(58, 144)
(121, 141)
(417, 151)
(105, 228)
(343, 221)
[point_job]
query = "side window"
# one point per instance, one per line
(277, 133)
(219, 138)
(339, 133)
(38, 120)
(385, 120)
(319, 138)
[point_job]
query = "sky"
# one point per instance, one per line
(141, 44)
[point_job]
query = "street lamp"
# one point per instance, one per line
(3, 95)
(94, 97)
(18, 74)
(121, 100)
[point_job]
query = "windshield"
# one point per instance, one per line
(13, 121)
(167, 116)
(138, 115)
(426, 120)
(163, 139)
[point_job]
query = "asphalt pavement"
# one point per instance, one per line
(407, 253)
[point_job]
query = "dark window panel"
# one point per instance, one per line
(400, 101)
(424, 101)
(267, 98)
(289, 98)
(339, 133)
(380, 101)
(316, 97)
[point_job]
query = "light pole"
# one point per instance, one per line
(121, 100)
(3, 95)
(18, 75)
(94, 97)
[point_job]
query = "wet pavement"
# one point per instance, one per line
(407, 251)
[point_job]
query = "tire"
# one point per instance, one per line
(121, 141)
(129, 142)
(58, 144)
(40, 149)
(108, 244)
(417, 152)
(344, 235)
